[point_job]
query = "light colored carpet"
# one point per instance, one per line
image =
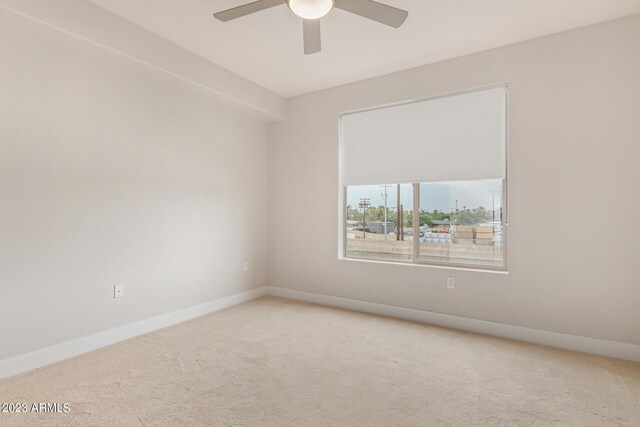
(273, 362)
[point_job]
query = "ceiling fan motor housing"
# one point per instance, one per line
(310, 9)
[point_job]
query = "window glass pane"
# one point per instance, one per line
(373, 228)
(462, 222)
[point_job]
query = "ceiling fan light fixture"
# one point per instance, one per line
(310, 9)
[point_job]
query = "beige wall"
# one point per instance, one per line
(574, 145)
(107, 178)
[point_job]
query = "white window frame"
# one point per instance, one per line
(416, 203)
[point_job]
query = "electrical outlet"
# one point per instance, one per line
(118, 291)
(451, 283)
(245, 266)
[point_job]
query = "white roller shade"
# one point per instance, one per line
(452, 138)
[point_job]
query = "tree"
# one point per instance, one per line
(470, 216)
(353, 214)
(428, 218)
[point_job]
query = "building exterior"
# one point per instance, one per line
(378, 227)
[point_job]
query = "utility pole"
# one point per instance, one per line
(364, 204)
(456, 211)
(399, 217)
(401, 222)
(493, 208)
(385, 209)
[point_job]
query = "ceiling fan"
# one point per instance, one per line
(312, 10)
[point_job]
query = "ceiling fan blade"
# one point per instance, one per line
(375, 11)
(311, 30)
(246, 9)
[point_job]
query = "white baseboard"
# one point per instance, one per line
(600, 347)
(46, 356)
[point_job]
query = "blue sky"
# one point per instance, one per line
(434, 196)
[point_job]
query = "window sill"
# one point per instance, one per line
(413, 264)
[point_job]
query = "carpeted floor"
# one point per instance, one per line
(274, 362)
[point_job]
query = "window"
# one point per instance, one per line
(425, 182)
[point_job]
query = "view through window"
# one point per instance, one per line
(461, 222)
(375, 230)
(458, 223)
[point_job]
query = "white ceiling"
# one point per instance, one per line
(266, 47)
